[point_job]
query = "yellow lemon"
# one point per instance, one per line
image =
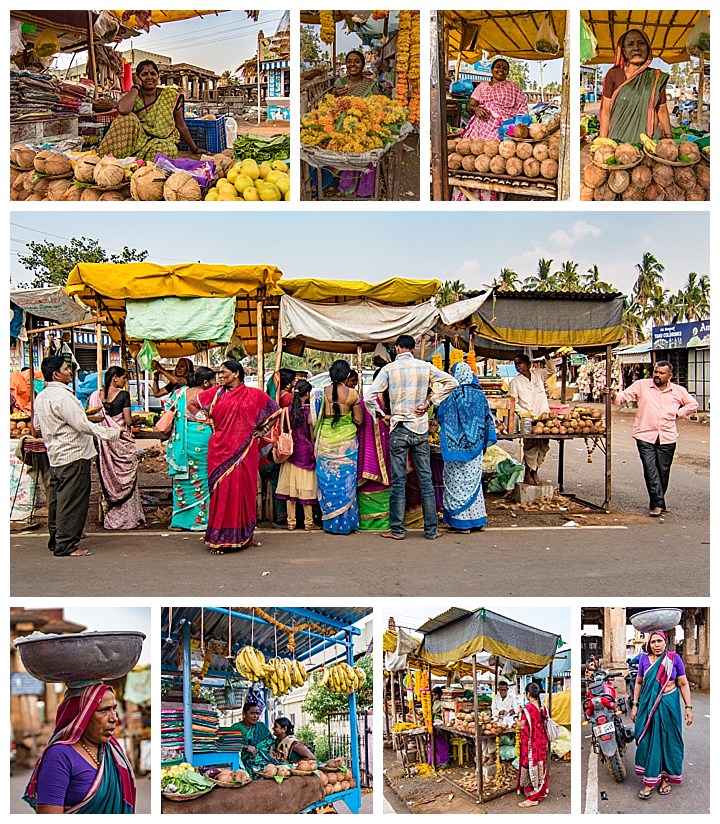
(264, 169)
(232, 175)
(283, 185)
(227, 193)
(250, 168)
(279, 165)
(287, 195)
(251, 193)
(270, 192)
(274, 176)
(213, 194)
(221, 181)
(242, 182)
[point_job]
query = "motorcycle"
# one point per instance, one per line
(609, 736)
(630, 683)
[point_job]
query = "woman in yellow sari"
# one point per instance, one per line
(150, 119)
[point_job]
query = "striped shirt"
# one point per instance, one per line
(407, 380)
(67, 432)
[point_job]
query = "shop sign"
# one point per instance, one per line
(681, 335)
(22, 683)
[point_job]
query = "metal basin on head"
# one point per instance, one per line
(652, 620)
(81, 656)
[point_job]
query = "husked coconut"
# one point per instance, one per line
(454, 162)
(702, 173)
(654, 192)
(491, 148)
(632, 192)
(689, 149)
(627, 153)
(554, 151)
(604, 192)
(183, 186)
(147, 183)
(34, 196)
(58, 165)
(549, 169)
(41, 187)
(90, 193)
(468, 163)
(541, 151)
(85, 168)
(641, 176)
(603, 152)
(29, 183)
(113, 195)
(451, 145)
(586, 192)
(23, 156)
(497, 165)
(73, 193)
(14, 174)
(667, 149)
(463, 147)
(40, 158)
(477, 147)
(514, 166)
(697, 193)
(109, 173)
(223, 163)
(685, 178)
(538, 131)
(507, 148)
(524, 150)
(521, 131)
(594, 176)
(482, 163)
(618, 181)
(57, 188)
(674, 192)
(18, 187)
(663, 175)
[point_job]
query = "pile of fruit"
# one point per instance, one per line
(280, 675)
(352, 124)
(227, 777)
(342, 678)
(19, 425)
(183, 779)
(246, 180)
(276, 771)
(336, 776)
(579, 421)
(506, 157)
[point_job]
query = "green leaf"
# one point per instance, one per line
(278, 778)
(343, 769)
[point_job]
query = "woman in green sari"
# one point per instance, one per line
(257, 740)
(151, 119)
(634, 95)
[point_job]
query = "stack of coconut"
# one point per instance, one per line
(506, 158)
(648, 177)
(35, 175)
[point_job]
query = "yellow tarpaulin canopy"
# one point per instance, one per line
(506, 33)
(396, 291)
(561, 708)
(156, 18)
(104, 288)
(667, 31)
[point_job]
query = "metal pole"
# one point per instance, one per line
(608, 429)
(259, 85)
(701, 90)
(91, 53)
(355, 800)
(564, 149)
(187, 693)
(561, 443)
(360, 369)
(31, 344)
(438, 112)
(478, 743)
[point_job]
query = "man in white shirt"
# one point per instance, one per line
(504, 705)
(68, 436)
(528, 389)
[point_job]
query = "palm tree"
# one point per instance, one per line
(593, 283)
(568, 278)
(696, 297)
(662, 307)
(633, 321)
(542, 281)
(506, 281)
(649, 279)
(451, 292)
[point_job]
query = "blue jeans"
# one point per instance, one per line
(403, 440)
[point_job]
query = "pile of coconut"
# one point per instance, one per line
(650, 179)
(506, 158)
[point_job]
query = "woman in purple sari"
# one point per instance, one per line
(373, 470)
(298, 481)
(117, 460)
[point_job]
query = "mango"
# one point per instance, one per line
(279, 166)
(269, 191)
(251, 193)
(242, 182)
(232, 175)
(264, 169)
(283, 185)
(287, 195)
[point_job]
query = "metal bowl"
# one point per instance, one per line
(651, 620)
(81, 656)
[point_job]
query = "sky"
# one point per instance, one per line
(215, 42)
(374, 246)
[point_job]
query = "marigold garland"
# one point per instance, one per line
(327, 26)
(402, 58)
(380, 15)
(414, 68)
(292, 631)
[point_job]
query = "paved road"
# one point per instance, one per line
(588, 561)
(692, 796)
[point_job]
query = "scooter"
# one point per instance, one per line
(609, 736)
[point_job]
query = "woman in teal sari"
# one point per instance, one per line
(187, 452)
(257, 740)
(335, 415)
(634, 95)
(658, 717)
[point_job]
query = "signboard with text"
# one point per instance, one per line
(681, 335)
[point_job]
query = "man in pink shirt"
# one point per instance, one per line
(659, 404)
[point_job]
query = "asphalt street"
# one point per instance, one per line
(594, 561)
(602, 794)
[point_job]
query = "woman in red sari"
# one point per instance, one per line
(237, 413)
(532, 774)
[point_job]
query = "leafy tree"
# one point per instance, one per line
(320, 702)
(451, 292)
(519, 72)
(507, 280)
(633, 321)
(307, 735)
(542, 280)
(309, 44)
(568, 278)
(51, 263)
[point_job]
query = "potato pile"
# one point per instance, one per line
(579, 421)
(19, 425)
(506, 157)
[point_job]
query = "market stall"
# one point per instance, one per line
(531, 161)
(242, 649)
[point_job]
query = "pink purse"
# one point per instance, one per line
(284, 446)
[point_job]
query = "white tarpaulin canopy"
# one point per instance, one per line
(51, 302)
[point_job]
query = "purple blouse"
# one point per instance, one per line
(65, 777)
(303, 454)
(678, 667)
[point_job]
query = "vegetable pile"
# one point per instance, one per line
(183, 779)
(259, 148)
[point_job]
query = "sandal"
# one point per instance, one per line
(664, 790)
(644, 795)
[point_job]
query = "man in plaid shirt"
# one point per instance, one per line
(407, 380)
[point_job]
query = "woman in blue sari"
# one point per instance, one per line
(467, 429)
(658, 718)
(336, 413)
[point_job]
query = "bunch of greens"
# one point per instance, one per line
(261, 148)
(186, 783)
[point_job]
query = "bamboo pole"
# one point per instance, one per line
(259, 82)
(438, 113)
(701, 90)
(91, 53)
(260, 345)
(478, 743)
(32, 376)
(98, 353)
(278, 356)
(564, 148)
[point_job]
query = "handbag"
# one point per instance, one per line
(552, 729)
(165, 421)
(284, 446)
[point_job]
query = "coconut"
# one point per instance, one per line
(147, 183)
(21, 194)
(14, 174)
(507, 148)
(468, 163)
(667, 149)
(663, 175)
(41, 187)
(618, 181)
(109, 173)
(594, 176)
(524, 150)
(554, 151)
(74, 193)
(85, 167)
(541, 151)
(183, 186)
(34, 197)
(89, 193)
(674, 192)
(463, 147)
(697, 193)
(57, 188)
(538, 131)
(632, 192)
(58, 165)
(514, 166)
(18, 187)
(40, 158)
(497, 165)
(604, 192)
(603, 152)
(477, 147)
(685, 178)
(531, 167)
(586, 192)
(482, 163)
(627, 153)
(549, 169)
(641, 176)
(450, 147)
(113, 195)
(23, 156)
(521, 131)
(454, 161)
(702, 173)
(689, 149)
(492, 147)
(654, 192)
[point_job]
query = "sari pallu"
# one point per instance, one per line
(373, 472)
(146, 131)
(532, 777)
(658, 727)
(113, 791)
(260, 737)
(233, 462)
(187, 454)
(117, 467)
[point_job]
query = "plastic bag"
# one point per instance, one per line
(588, 42)
(106, 26)
(202, 171)
(17, 44)
(147, 354)
(507, 475)
(546, 40)
(699, 40)
(47, 44)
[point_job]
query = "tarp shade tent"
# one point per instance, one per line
(105, 288)
(394, 291)
(528, 648)
(50, 303)
(157, 18)
(667, 31)
(71, 27)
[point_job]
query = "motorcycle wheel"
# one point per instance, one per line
(616, 765)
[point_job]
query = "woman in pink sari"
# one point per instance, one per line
(117, 460)
(239, 414)
(532, 778)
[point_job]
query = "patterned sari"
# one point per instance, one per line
(658, 727)
(503, 100)
(373, 473)
(113, 790)
(117, 470)
(187, 456)
(532, 777)
(260, 737)
(147, 130)
(233, 462)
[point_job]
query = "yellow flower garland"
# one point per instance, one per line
(327, 26)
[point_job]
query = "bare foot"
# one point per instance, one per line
(528, 803)
(391, 535)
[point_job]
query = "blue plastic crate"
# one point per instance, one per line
(208, 135)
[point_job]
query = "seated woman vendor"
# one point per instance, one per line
(287, 748)
(257, 739)
(150, 119)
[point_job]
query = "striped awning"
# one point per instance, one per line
(90, 339)
(275, 64)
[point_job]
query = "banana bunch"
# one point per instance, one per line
(706, 151)
(277, 676)
(602, 141)
(564, 350)
(649, 144)
(250, 663)
(343, 678)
